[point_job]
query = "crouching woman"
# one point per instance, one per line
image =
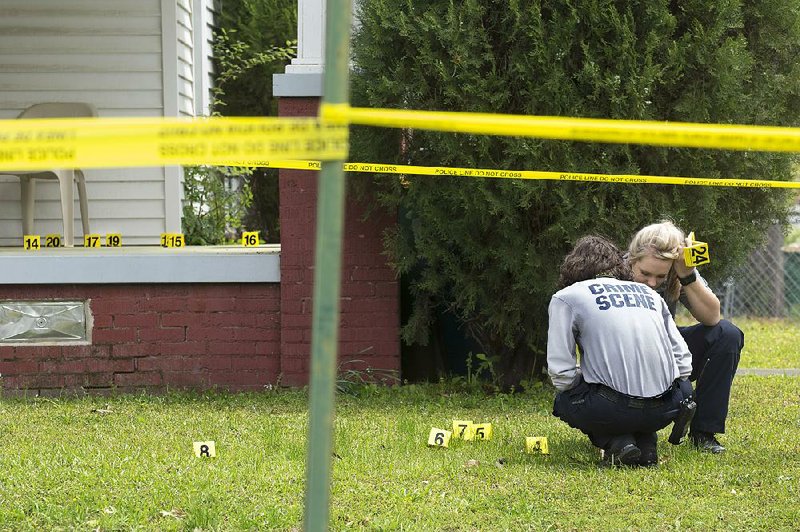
(634, 364)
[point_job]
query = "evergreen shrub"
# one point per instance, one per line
(489, 250)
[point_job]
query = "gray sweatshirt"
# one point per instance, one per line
(626, 336)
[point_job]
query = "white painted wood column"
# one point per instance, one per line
(303, 77)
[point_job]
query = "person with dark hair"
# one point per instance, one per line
(634, 364)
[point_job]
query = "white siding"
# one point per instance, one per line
(185, 58)
(127, 58)
(205, 12)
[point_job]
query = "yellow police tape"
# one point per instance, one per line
(529, 174)
(724, 136)
(40, 144)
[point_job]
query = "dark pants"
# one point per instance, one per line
(605, 416)
(715, 357)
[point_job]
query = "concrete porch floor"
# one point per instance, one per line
(141, 264)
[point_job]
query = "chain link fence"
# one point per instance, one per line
(767, 285)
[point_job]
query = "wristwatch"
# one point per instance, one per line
(689, 279)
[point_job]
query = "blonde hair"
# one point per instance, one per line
(660, 240)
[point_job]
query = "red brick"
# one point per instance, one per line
(255, 362)
(295, 379)
(232, 319)
(367, 333)
(87, 365)
(295, 350)
(387, 347)
(294, 336)
(171, 334)
(230, 348)
(114, 336)
(93, 380)
(376, 319)
(389, 290)
(367, 305)
(251, 305)
(292, 275)
(296, 321)
(105, 307)
(102, 320)
(291, 307)
(271, 304)
(138, 378)
(133, 350)
(215, 362)
(268, 321)
(167, 290)
(169, 363)
(254, 378)
(182, 319)
(189, 348)
(294, 364)
(85, 351)
(268, 348)
(218, 290)
(209, 333)
(141, 319)
(41, 352)
(372, 274)
(118, 366)
(217, 304)
(186, 379)
(40, 381)
(63, 366)
(270, 335)
(164, 304)
(296, 291)
(19, 367)
(298, 106)
(250, 334)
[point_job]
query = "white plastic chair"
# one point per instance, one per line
(65, 176)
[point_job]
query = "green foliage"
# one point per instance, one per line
(793, 237)
(489, 250)
(213, 207)
(356, 378)
(264, 29)
(245, 56)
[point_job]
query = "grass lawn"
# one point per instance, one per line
(768, 343)
(126, 462)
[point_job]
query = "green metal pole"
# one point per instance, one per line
(327, 279)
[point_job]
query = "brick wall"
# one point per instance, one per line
(155, 337)
(232, 336)
(370, 317)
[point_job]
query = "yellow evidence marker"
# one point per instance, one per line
(91, 240)
(461, 428)
(696, 253)
(205, 449)
(52, 240)
(534, 445)
(480, 431)
(172, 240)
(250, 239)
(113, 240)
(439, 437)
(32, 242)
